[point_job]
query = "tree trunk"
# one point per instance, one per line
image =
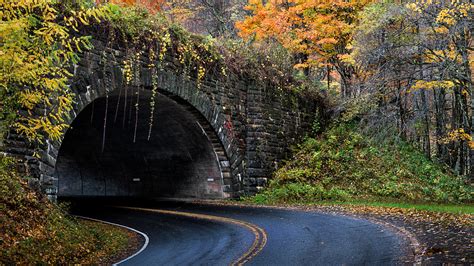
(402, 112)
(440, 109)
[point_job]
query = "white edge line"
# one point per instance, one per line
(147, 240)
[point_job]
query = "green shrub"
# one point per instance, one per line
(342, 164)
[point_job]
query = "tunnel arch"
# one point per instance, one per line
(182, 158)
(91, 83)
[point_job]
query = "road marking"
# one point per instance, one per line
(260, 236)
(147, 240)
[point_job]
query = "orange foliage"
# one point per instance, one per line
(321, 30)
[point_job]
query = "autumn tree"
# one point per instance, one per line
(418, 57)
(319, 33)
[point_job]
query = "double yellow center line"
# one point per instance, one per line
(260, 237)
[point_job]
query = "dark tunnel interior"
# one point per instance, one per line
(177, 161)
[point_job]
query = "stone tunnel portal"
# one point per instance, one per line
(180, 159)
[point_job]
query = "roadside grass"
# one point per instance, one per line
(343, 166)
(443, 208)
(35, 232)
(467, 208)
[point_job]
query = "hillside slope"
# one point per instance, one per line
(34, 231)
(342, 164)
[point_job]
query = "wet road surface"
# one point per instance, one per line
(182, 233)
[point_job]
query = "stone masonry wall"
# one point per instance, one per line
(255, 123)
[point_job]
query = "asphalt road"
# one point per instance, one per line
(223, 235)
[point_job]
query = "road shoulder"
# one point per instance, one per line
(137, 242)
(433, 237)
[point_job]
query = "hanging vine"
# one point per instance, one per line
(165, 42)
(127, 75)
(154, 88)
(118, 100)
(103, 60)
(136, 68)
(108, 84)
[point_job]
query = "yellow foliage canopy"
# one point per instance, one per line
(36, 50)
(430, 85)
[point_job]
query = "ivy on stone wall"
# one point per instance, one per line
(42, 41)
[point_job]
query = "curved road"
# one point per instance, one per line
(185, 233)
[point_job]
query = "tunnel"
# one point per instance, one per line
(177, 158)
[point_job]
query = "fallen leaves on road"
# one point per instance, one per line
(446, 238)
